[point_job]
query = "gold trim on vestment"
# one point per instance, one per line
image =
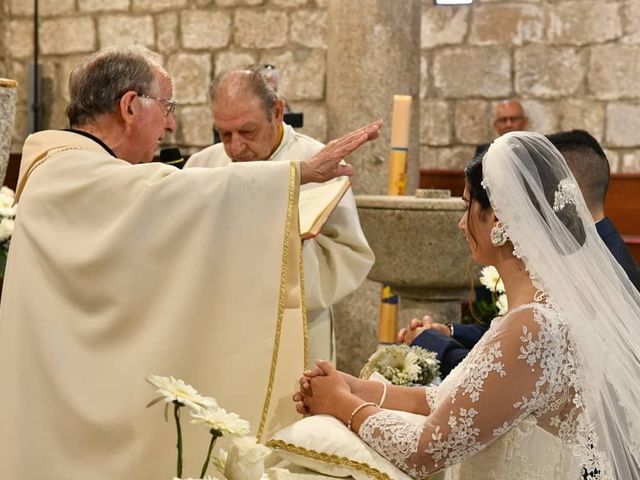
(328, 458)
(293, 180)
(303, 302)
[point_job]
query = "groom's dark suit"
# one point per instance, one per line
(612, 239)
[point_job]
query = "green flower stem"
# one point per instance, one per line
(214, 436)
(176, 415)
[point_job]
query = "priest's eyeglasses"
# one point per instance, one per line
(168, 105)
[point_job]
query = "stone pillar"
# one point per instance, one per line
(7, 118)
(373, 54)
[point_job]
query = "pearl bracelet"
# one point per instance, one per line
(384, 394)
(357, 409)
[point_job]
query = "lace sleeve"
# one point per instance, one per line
(510, 374)
(430, 393)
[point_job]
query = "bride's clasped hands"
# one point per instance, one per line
(326, 390)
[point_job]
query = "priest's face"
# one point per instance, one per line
(246, 131)
(154, 121)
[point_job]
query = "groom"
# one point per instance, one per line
(589, 164)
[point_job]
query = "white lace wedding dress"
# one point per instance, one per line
(510, 411)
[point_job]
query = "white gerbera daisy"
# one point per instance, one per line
(399, 365)
(6, 229)
(6, 192)
(222, 421)
(502, 304)
(490, 278)
(7, 209)
(407, 363)
(175, 390)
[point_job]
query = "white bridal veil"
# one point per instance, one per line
(537, 199)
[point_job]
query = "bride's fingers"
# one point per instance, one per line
(305, 385)
(326, 367)
(314, 372)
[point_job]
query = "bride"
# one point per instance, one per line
(553, 389)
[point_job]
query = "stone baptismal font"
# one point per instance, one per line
(420, 252)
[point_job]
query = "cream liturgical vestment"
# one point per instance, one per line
(118, 271)
(336, 261)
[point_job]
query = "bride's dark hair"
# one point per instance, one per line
(473, 177)
(568, 215)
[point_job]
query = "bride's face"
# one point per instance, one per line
(476, 225)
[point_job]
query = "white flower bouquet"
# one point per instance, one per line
(7, 219)
(206, 411)
(403, 365)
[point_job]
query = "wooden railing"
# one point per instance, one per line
(621, 204)
(623, 208)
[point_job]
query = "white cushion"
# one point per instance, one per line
(324, 444)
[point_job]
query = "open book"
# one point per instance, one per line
(316, 203)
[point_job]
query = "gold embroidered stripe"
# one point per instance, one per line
(328, 458)
(293, 178)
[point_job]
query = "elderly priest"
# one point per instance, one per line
(120, 268)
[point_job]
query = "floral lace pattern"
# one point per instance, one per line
(523, 367)
(430, 394)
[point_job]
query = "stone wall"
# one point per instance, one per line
(573, 63)
(196, 38)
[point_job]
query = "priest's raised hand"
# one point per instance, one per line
(326, 164)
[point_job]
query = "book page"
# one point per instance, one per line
(316, 203)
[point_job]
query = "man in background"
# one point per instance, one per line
(510, 117)
(248, 115)
(589, 164)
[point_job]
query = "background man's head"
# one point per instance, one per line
(510, 117)
(588, 163)
(123, 96)
(247, 114)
